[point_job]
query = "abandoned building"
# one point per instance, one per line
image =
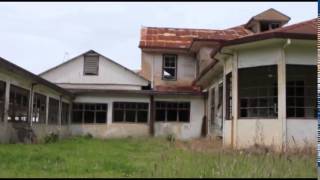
(252, 83)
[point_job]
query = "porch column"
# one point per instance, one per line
(235, 100)
(6, 102)
(282, 111)
(224, 90)
(30, 109)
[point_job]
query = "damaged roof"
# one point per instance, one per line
(181, 38)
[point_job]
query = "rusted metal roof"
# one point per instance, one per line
(181, 38)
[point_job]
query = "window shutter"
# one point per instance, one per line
(91, 64)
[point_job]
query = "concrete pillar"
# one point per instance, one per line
(235, 99)
(109, 116)
(6, 102)
(224, 102)
(30, 109)
(282, 111)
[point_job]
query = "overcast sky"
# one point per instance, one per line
(38, 36)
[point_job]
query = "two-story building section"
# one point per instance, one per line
(250, 84)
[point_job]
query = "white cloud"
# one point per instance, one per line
(37, 35)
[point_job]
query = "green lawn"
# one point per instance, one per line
(143, 157)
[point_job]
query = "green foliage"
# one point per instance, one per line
(144, 157)
(171, 138)
(51, 138)
(88, 136)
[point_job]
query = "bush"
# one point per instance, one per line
(171, 138)
(51, 138)
(88, 136)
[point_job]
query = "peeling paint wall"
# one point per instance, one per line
(186, 69)
(114, 130)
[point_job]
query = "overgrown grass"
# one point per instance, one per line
(143, 157)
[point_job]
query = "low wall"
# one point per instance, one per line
(114, 130)
(301, 132)
(259, 131)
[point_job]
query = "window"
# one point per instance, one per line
(172, 111)
(301, 91)
(274, 25)
(18, 104)
(169, 70)
(220, 91)
(228, 96)
(130, 112)
(91, 64)
(89, 113)
(64, 113)
(39, 108)
(2, 99)
(53, 111)
(258, 95)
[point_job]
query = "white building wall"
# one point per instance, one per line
(301, 132)
(8, 133)
(109, 73)
(186, 71)
(110, 129)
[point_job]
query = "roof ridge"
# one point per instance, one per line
(148, 27)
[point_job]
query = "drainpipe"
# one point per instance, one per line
(282, 89)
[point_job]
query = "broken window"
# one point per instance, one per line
(64, 113)
(91, 64)
(39, 108)
(130, 112)
(18, 104)
(228, 96)
(2, 99)
(173, 111)
(301, 91)
(258, 92)
(89, 113)
(53, 111)
(169, 70)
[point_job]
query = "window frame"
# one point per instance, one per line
(83, 110)
(13, 105)
(228, 83)
(2, 100)
(163, 67)
(177, 109)
(259, 97)
(304, 87)
(35, 103)
(124, 110)
(55, 109)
